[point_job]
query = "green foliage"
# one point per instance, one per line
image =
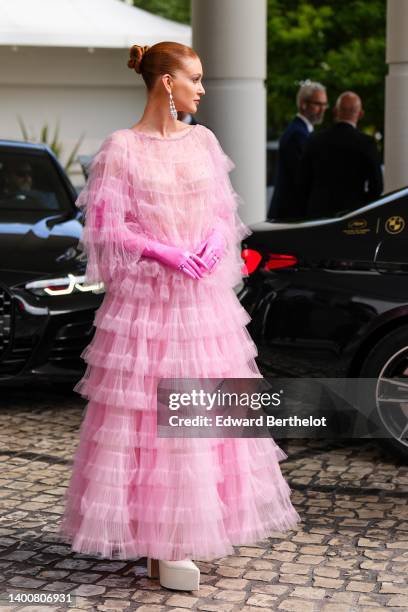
(177, 10)
(55, 144)
(341, 44)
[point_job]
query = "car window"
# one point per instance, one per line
(30, 182)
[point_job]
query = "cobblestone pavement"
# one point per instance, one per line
(349, 554)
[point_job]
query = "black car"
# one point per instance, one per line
(46, 313)
(329, 298)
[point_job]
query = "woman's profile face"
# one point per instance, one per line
(187, 87)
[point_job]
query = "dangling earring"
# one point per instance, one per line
(173, 111)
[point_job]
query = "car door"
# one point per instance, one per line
(318, 309)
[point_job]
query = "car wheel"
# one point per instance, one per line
(388, 363)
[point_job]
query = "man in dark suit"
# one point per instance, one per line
(311, 103)
(340, 169)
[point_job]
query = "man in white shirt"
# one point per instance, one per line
(312, 103)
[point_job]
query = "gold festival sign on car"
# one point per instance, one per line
(357, 226)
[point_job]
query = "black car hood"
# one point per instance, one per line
(38, 244)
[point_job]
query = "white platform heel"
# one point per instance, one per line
(181, 575)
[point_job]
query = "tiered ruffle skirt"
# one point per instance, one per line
(134, 494)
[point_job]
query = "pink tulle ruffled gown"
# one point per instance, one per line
(133, 494)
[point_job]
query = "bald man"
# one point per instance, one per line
(340, 169)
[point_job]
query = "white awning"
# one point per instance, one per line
(84, 23)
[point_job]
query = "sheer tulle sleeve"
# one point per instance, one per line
(227, 202)
(227, 199)
(112, 237)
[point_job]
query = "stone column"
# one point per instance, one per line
(396, 97)
(230, 38)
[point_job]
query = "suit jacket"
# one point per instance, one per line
(340, 170)
(291, 145)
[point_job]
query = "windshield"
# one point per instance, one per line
(30, 181)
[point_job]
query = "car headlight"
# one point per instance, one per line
(66, 285)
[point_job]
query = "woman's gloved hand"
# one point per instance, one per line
(212, 249)
(177, 258)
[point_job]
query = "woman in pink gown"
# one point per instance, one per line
(134, 494)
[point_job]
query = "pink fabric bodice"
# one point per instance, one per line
(173, 190)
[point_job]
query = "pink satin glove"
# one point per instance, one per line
(177, 258)
(212, 249)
